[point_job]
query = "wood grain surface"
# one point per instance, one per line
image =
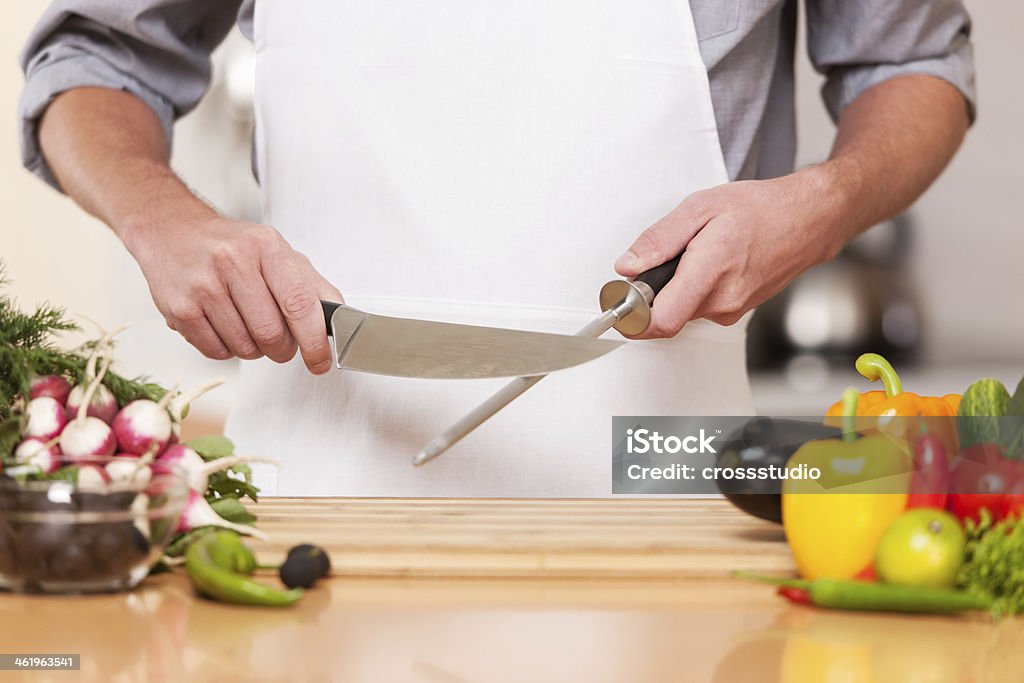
(526, 538)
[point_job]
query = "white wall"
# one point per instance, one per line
(967, 262)
(968, 258)
(54, 251)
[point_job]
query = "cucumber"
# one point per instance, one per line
(982, 405)
(1012, 433)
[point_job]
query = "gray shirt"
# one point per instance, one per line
(160, 50)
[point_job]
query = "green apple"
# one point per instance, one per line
(923, 547)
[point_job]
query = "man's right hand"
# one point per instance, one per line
(233, 288)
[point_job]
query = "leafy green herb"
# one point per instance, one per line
(231, 509)
(179, 545)
(27, 349)
(994, 565)
(10, 434)
(235, 482)
(212, 447)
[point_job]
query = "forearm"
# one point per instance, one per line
(109, 153)
(891, 144)
(229, 287)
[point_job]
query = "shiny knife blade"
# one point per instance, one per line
(625, 305)
(405, 347)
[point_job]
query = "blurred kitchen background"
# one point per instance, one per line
(936, 289)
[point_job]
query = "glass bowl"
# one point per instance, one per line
(62, 537)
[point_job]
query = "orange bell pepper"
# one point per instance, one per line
(937, 413)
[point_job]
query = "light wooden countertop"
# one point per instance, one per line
(447, 591)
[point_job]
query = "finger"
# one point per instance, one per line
(199, 333)
(261, 315)
(228, 323)
(292, 283)
(324, 289)
(680, 299)
(665, 239)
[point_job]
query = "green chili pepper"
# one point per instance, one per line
(230, 553)
(880, 597)
(219, 565)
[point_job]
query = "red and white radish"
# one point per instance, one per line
(198, 513)
(196, 470)
(45, 418)
(54, 386)
(102, 404)
(144, 426)
(92, 477)
(128, 471)
(44, 455)
(86, 436)
(182, 401)
(140, 514)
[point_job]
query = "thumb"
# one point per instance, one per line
(659, 243)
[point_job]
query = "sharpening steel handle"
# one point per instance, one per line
(658, 276)
(329, 308)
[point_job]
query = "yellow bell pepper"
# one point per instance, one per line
(834, 523)
(937, 413)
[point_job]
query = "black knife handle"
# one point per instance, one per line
(657, 277)
(329, 308)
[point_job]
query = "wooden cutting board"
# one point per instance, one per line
(703, 538)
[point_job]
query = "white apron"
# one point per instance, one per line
(481, 162)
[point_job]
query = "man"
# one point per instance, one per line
(486, 162)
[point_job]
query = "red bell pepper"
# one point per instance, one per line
(981, 478)
(929, 484)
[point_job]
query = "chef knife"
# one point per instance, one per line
(626, 306)
(404, 347)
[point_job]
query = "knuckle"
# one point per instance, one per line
(650, 241)
(185, 313)
(248, 350)
(225, 256)
(316, 348)
(298, 303)
(215, 353)
(319, 367)
(204, 289)
(267, 238)
(270, 334)
(283, 355)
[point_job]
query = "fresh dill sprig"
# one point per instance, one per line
(27, 350)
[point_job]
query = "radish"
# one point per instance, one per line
(102, 404)
(144, 426)
(54, 386)
(140, 515)
(91, 477)
(128, 471)
(45, 455)
(181, 401)
(198, 513)
(197, 471)
(45, 418)
(85, 436)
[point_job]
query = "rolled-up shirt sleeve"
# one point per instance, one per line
(857, 44)
(157, 50)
